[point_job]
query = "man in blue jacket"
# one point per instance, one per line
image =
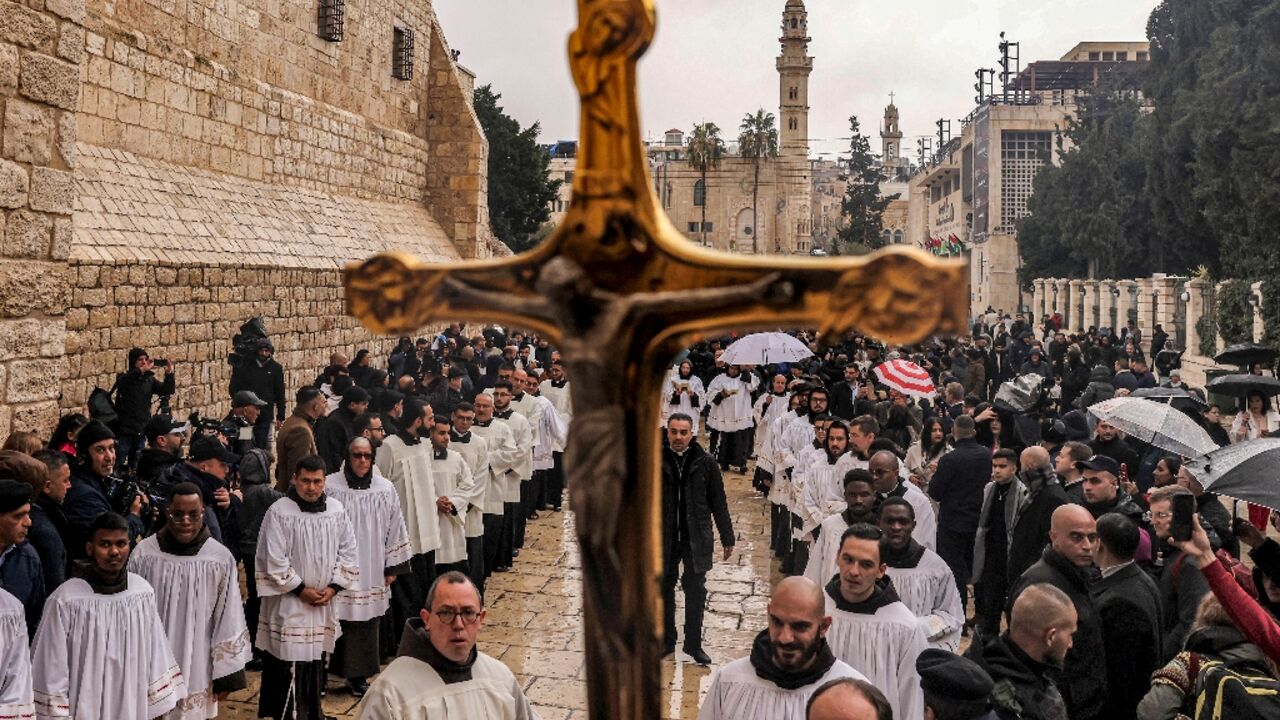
(957, 486)
(20, 571)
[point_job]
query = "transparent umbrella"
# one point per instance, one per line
(765, 349)
(1158, 424)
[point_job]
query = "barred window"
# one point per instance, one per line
(1022, 154)
(329, 16)
(402, 53)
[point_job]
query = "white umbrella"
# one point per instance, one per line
(765, 349)
(1155, 423)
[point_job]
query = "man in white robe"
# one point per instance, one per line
(922, 578)
(731, 415)
(551, 432)
(306, 556)
(522, 472)
(886, 470)
(788, 661)
(75, 674)
(15, 661)
(683, 393)
(770, 406)
(455, 493)
(405, 461)
(859, 507)
(780, 482)
(383, 553)
(503, 457)
(475, 453)
(870, 627)
(197, 591)
(440, 673)
(814, 469)
(557, 389)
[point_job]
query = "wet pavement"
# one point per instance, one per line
(534, 621)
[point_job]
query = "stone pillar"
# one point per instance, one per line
(1106, 302)
(1073, 304)
(1167, 290)
(1259, 327)
(1124, 304)
(1196, 288)
(39, 89)
(1091, 316)
(1145, 314)
(1037, 301)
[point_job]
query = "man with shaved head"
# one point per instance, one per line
(1042, 626)
(1044, 494)
(847, 699)
(789, 661)
(1066, 565)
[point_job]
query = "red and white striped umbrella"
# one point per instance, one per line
(907, 378)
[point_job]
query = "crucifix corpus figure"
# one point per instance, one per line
(619, 291)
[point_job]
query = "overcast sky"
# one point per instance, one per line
(713, 60)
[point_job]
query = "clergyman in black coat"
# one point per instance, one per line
(1128, 605)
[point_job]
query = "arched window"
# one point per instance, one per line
(791, 124)
(699, 194)
(795, 23)
(897, 237)
(886, 237)
(792, 94)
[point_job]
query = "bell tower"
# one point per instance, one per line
(890, 140)
(794, 66)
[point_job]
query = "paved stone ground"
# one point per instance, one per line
(534, 621)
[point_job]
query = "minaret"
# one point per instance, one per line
(794, 66)
(795, 226)
(891, 140)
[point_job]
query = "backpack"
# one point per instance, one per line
(101, 407)
(1236, 691)
(1237, 570)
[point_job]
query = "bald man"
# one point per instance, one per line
(1065, 565)
(1044, 494)
(846, 699)
(1021, 662)
(891, 481)
(789, 661)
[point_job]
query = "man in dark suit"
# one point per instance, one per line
(1128, 605)
(1044, 495)
(692, 494)
(957, 486)
(848, 400)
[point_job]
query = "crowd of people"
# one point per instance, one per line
(367, 523)
(888, 507)
(369, 516)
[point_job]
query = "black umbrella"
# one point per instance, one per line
(1180, 398)
(1242, 385)
(1246, 354)
(1244, 471)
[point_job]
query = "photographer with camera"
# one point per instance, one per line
(134, 390)
(264, 377)
(94, 490)
(208, 463)
(246, 410)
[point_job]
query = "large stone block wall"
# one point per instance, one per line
(188, 313)
(40, 50)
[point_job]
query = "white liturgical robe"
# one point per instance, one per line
(551, 432)
(15, 661)
(198, 597)
(410, 689)
(312, 549)
(474, 450)
(768, 407)
(453, 480)
(503, 457)
(99, 656)
(738, 693)
(523, 435)
(408, 468)
(381, 542)
(561, 396)
(734, 412)
(929, 591)
(689, 404)
(881, 641)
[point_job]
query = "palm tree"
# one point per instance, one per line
(757, 139)
(705, 150)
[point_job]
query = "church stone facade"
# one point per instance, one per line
(169, 169)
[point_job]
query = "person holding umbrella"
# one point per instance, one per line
(1256, 420)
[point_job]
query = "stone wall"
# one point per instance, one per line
(40, 50)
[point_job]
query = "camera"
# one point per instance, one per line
(207, 427)
(245, 344)
(160, 362)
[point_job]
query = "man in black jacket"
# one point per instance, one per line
(134, 390)
(1066, 565)
(164, 448)
(1110, 442)
(1044, 495)
(957, 486)
(264, 377)
(848, 400)
(1023, 661)
(335, 430)
(49, 533)
(692, 494)
(1128, 605)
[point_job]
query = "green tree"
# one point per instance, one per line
(862, 209)
(757, 139)
(520, 190)
(705, 150)
(1090, 216)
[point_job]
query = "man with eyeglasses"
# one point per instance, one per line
(198, 595)
(370, 427)
(207, 465)
(383, 552)
(307, 554)
(439, 663)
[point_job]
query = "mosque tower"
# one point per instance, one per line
(794, 211)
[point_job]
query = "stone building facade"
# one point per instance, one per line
(169, 170)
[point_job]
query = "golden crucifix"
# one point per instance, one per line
(620, 291)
